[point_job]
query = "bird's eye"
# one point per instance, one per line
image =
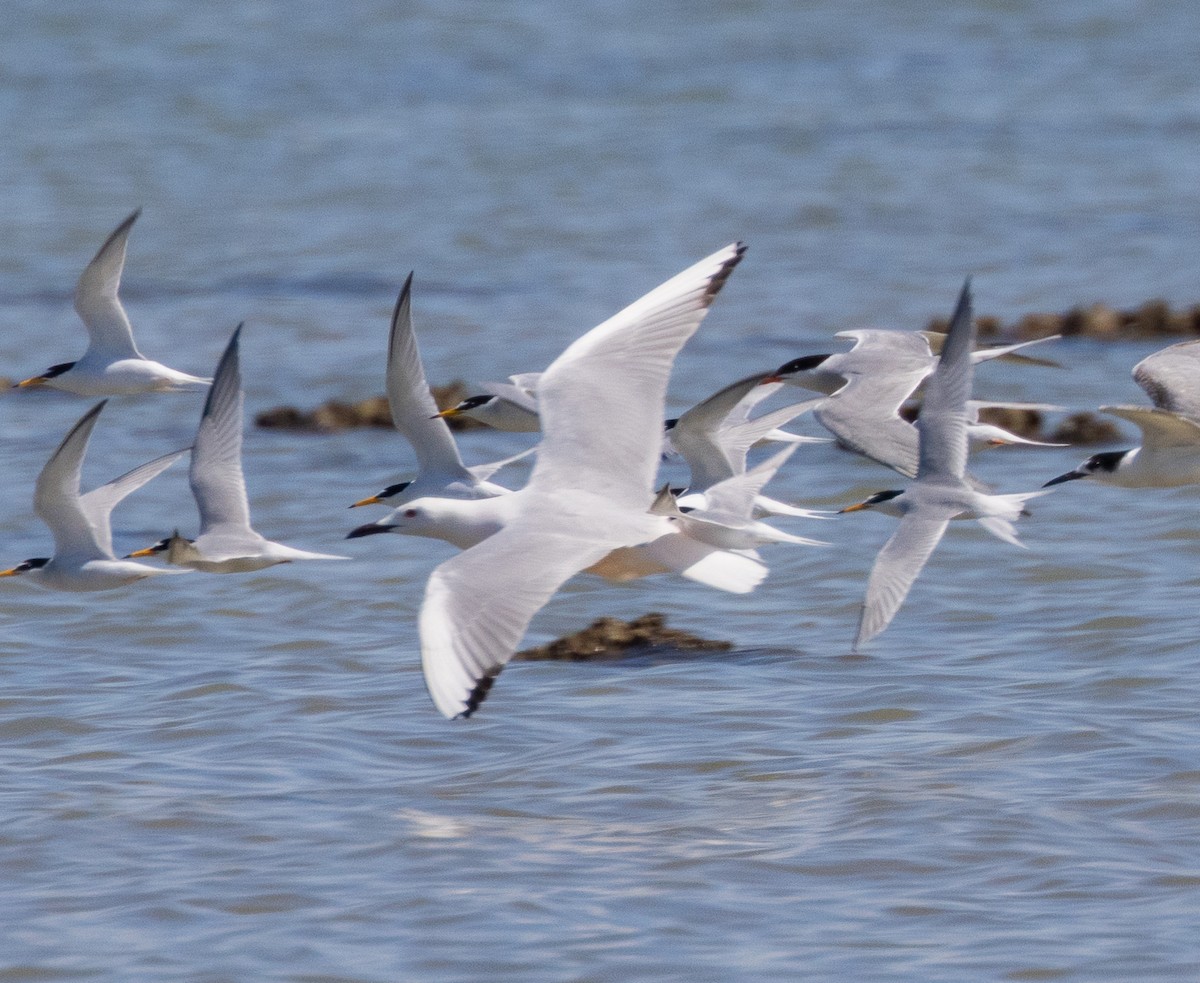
(410, 513)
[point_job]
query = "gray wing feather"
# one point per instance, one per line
(1171, 378)
(697, 431)
(215, 473)
(943, 421)
(96, 300)
(896, 569)
(477, 607)
(414, 412)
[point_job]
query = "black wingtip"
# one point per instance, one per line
(480, 692)
(403, 297)
(718, 279)
(124, 227)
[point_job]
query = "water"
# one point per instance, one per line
(232, 778)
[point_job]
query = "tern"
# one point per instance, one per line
(83, 557)
(715, 435)
(726, 517)
(941, 491)
(226, 543)
(440, 470)
(867, 385)
(1169, 455)
(511, 406)
(112, 364)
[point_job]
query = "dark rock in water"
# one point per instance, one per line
(1023, 423)
(374, 412)
(1153, 319)
(610, 638)
(1086, 428)
(283, 418)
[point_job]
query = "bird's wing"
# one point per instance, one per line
(56, 498)
(527, 381)
(943, 421)
(896, 568)
(1008, 353)
(602, 399)
(1160, 428)
(215, 473)
(735, 495)
(96, 300)
(696, 434)
(81, 524)
(885, 348)
(1171, 378)
(882, 370)
(736, 440)
(414, 412)
(484, 472)
(97, 505)
(479, 603)
(859, 425)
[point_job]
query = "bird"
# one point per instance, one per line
(601, 404)
(1169, 455)
(866, 386)
(510, 406)
(941, 491)
(112, 364)
(715, 435)
(83, 557)
(725, 518)
(226, 543)
(440, 470)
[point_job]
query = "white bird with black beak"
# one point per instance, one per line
(226, 543)
(1169, 455)
(440, 469)
(83, 557)
(941, 491)
(112, 364)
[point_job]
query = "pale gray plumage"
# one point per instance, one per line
(941, 491)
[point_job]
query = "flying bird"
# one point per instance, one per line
(112, 364)
(83, 557)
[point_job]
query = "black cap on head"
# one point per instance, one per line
(804, 364)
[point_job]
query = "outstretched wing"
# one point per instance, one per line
(697, 434)
(943, 421)
(96, 299)
(479, 603)
(1171, 378)
(215, 473)
(602, 400)
(896, 569)
(1160, 428)
(56, 494)
(414, 412)
(98, 504)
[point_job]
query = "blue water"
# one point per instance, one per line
(241, 778)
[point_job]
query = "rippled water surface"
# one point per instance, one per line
(241, 778)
